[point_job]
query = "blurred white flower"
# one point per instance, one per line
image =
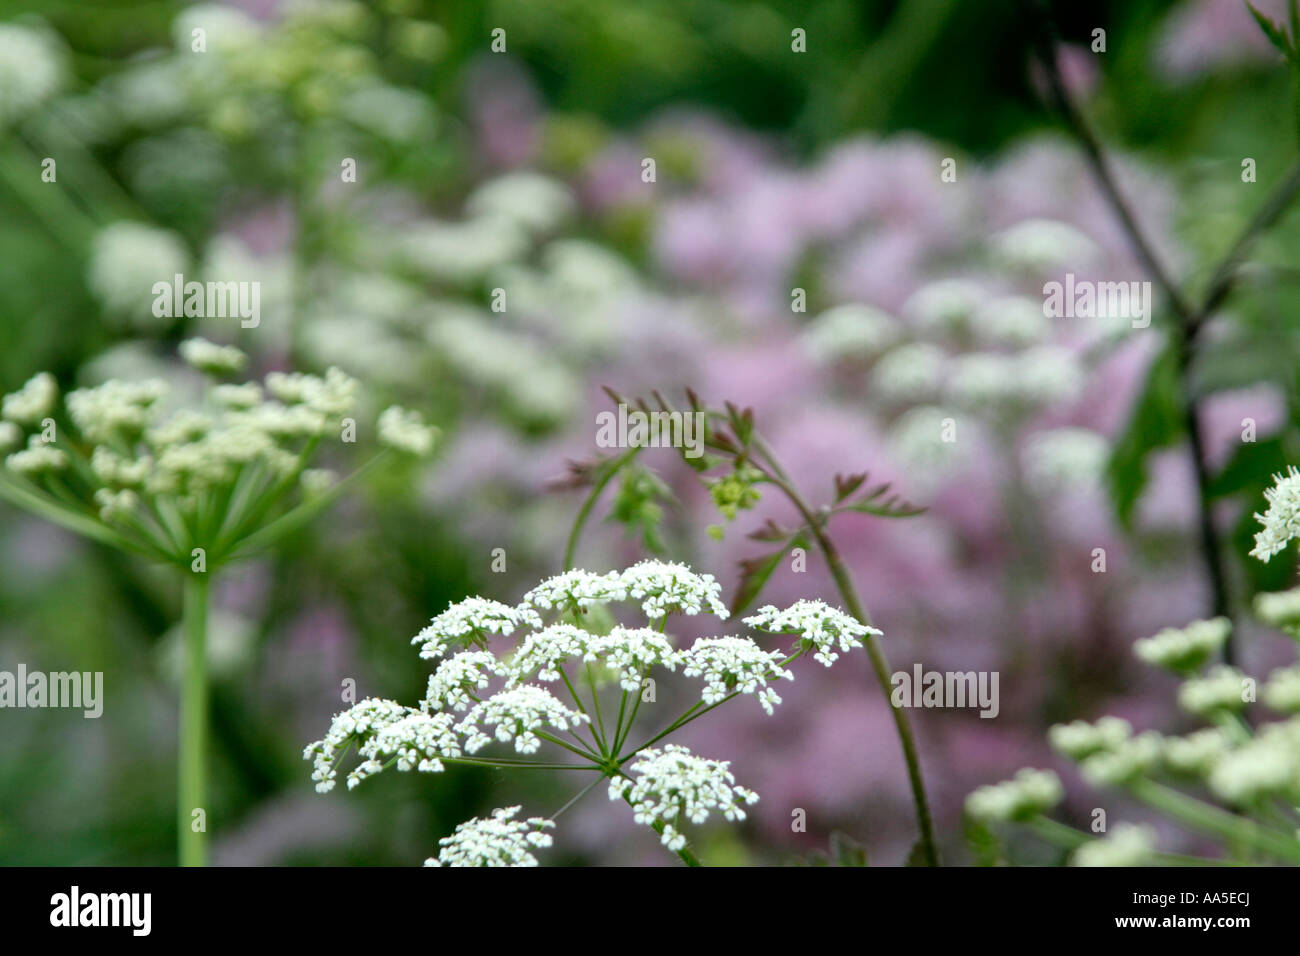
(1028, 794)
(537, 203)
(404, 429)
(1065, 457)
(1043, 245)
(851, 331)
(1126, 845)
(33, 402)
(31, 70)
(126, 260)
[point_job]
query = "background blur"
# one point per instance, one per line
(522, 170)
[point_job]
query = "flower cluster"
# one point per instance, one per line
(672, 783)
(480, 695)
(818, 625)
(135, 464)
(1252, 768)
(1031, 792)
(1281, 520)
(1184, 649)
(499, 840)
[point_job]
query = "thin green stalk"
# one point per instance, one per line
(685, 854)
(610, 470)
(1211, 819)
(879, 663)
(1071, 838)
(600, 720)
(192, 781)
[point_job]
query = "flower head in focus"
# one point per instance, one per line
(482, 695)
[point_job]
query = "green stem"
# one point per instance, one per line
(1071, 839)
(879, 663)
(192, 782)
(685, 854)
(1211, 819)
(611, 469)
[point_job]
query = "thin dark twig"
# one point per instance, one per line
(1191, 319)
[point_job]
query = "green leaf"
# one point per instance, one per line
(1250, 471)
(1156, 422)
(876, 500)
(846, 851)
(1275, 34)
(754, 573)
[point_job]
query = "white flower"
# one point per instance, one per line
(1282, 519)
(1280, 608)
(1125, 761)
(242, 397)
(458, 676)
(383, 729)
(126, 260)
(634, 650)
(37, 458)
(735, 665)
(577, 589)
(665, 785)
(1221, 689)
(1184, 649)
(535, 202)
(1011, 321)
(1065, 457)
(399, 115)
(33, 402)
(499, 840)
(461, 252)
(115, 504)
(1039, 245)
(850, 331)
(920, 438)
(517, 713)
(944, 304)
(115, 409)
(664, 588)
(31, 70)
(332, 396)
(993, 383)
(1028, 794)
(1282, 692)
(822, 627)
(472, 620)
(910, 372)
(226, 29)
(1266, 766)
(1126, 845)
(11, 436)
(212, 358)
(1080, 739)
(281, 421)
(543, 652)
(113, 469)
(405, 430)
(317, 481)
(1197, 753)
